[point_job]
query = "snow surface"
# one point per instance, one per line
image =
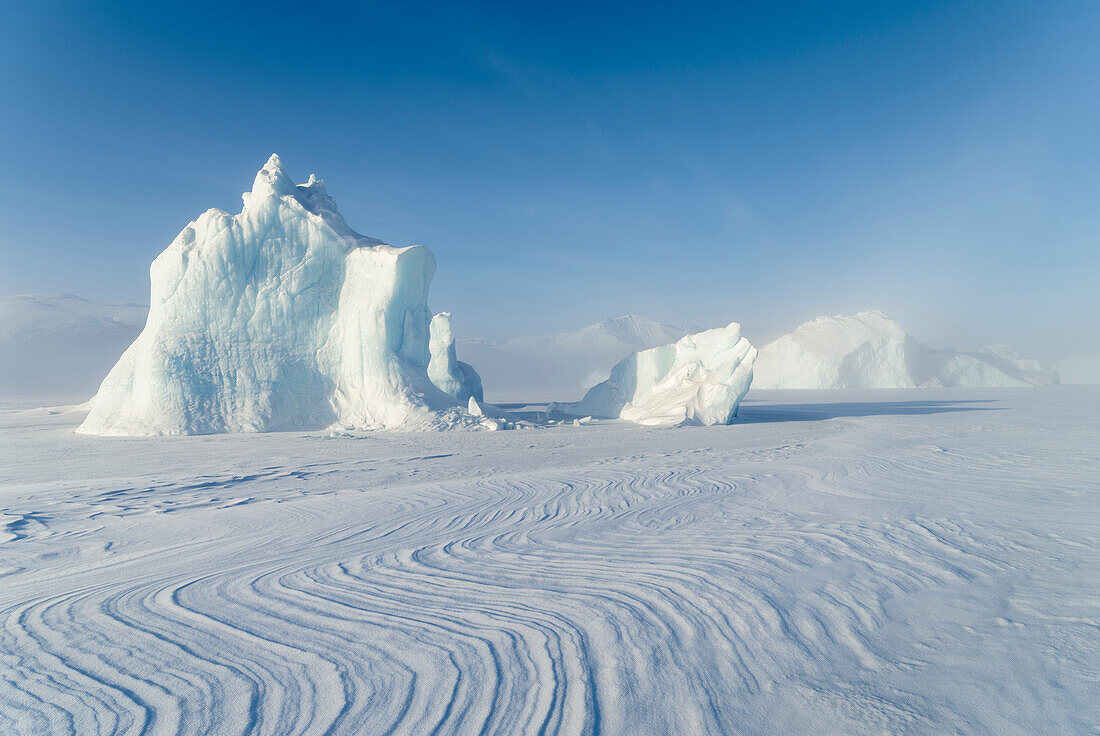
(60, 345)
(870, 350)
(562, 366)
(280, 317)
(907, 562)
(699, 379)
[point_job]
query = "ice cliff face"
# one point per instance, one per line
(870, 350)
(279, 317)
(700, 379)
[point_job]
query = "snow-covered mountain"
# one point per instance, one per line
(61, 346)
(564, 365)
(283, 317)
(629, 330)
(870, 350)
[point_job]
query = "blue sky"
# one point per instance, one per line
(695, 163)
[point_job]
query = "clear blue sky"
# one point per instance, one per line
(694, 163)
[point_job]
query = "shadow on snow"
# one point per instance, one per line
(750, 413)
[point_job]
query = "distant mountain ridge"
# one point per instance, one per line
(561, 366)
(629, 329)
(32, 315)
(61, 345)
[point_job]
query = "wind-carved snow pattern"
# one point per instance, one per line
(700, 379)
(280, 317)
(870, 350)
(840, 565)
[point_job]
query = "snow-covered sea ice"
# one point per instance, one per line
(857, 562)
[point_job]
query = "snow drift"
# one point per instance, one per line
(870, 350)
(281, 317)
(700, 379)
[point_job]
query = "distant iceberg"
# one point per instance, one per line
(871, 350)
(283, 317)
(699, 379)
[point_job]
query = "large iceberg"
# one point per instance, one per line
(699, 379)
(281, 317)
(871, 350)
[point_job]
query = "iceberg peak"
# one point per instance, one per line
(314, 197)
(273, 187)
(875, 314)
(270, 181)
